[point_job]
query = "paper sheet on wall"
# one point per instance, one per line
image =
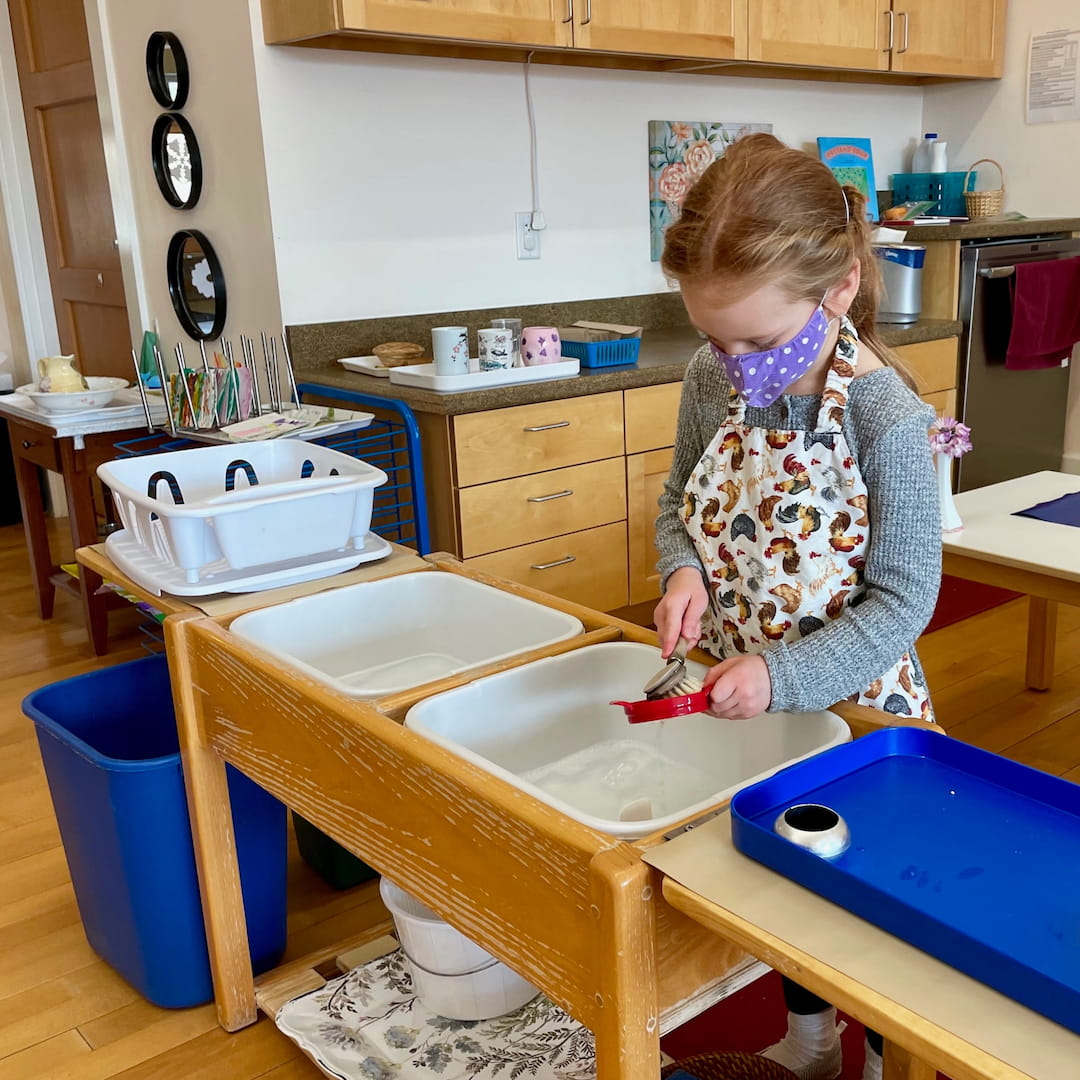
(1053, 89)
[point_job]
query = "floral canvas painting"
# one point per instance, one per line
(679, 152)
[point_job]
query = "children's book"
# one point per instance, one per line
(852, 162)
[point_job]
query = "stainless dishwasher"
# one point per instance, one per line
(1017, 418)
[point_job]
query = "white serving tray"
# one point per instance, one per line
(159, 576)
(423, 376)
(366, 365)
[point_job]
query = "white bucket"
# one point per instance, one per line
(492, 990)
(428, 941)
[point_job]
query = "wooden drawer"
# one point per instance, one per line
(34, 445)
(514, 512)
(651, 413)
(944, 402)
(586, 567)
(935, 364)
(530, 438)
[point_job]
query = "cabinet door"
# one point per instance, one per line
(820, 33)
(714, 30)
(962, 37)
(645, 476)
(526, 22)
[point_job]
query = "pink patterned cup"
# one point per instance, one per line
(540, 345)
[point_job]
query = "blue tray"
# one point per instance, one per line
(966, 855)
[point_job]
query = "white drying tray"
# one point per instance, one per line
(159, 576)
(423, 376)
(366, 365)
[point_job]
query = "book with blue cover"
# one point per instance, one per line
(852, 162)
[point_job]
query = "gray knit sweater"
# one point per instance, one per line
(886, 428)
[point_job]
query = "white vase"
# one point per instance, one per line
(950, 516)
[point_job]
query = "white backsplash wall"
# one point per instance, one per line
(394, 180)
(990, 120)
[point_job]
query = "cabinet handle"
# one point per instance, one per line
(588, 13)
(997, 271)
(548, 498)
(569, 11)
(557, 562)
(27, 444)
(891, 16)
(548, 427)
(907, 26)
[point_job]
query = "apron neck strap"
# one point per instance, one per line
(834, 397)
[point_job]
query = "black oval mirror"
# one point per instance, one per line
(166, 69)
(196, 285)
(174, 151)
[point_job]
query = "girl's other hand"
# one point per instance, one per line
(739, 688)
(680, 609)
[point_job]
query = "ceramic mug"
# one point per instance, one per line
(450, 347)
(540, 345)
(496, 348)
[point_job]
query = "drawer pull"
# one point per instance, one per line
(27, 444)
(548, 498)
(548, 427)
(557, 562)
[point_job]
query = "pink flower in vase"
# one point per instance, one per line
(950, 437)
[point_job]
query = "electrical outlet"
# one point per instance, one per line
(528, 239)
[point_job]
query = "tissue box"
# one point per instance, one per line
(601, 344)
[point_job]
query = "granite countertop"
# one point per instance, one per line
(662, 359)
(988, 228)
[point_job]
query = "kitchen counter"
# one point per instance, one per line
(663, 359)
(989, 228)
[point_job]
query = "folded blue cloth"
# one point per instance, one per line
(1063, 511)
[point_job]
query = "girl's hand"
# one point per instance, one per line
(739, 688)
(680, 609)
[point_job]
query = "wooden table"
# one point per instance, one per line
(1038, 558)
(74, 449)
(931, 1016)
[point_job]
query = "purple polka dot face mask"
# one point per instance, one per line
(761, 377)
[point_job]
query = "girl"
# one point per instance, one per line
(799, 536)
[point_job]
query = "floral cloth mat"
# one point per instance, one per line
(368, 1025)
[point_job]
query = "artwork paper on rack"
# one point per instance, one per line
(852, 162)
(679, 152)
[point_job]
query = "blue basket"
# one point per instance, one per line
(946, 189)
(109, 744)
(594, 354)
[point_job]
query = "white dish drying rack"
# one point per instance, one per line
(212, 518)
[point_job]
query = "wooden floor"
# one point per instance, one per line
(64, 1014)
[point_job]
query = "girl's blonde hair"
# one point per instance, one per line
(766, 212)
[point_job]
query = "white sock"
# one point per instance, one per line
(811, 1047)
(872, 1064)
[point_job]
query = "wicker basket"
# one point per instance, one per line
(729, 1066)
(985, 203)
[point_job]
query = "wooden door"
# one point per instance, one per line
(645, 476)
(526, 22)
(57, 83)
(962, 37)
(820, 33)
(716, 30)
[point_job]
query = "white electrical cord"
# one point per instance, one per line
(537, 221)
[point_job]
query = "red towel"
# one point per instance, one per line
(1046, 314)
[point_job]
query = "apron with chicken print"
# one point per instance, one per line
(778, 518)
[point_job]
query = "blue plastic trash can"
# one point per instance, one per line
(109, 743)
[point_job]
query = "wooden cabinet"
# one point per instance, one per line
(960, 37)
(821, 33)
(645, 477)
(714, 30)
(935, 367)
(524, 22)
(918, 37)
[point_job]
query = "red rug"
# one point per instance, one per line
(959, 599)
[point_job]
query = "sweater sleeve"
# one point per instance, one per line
(903, 573)
(673, 542)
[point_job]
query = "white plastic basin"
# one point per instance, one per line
(548, 728)
(382, 637)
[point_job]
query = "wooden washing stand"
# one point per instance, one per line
(575, 911)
